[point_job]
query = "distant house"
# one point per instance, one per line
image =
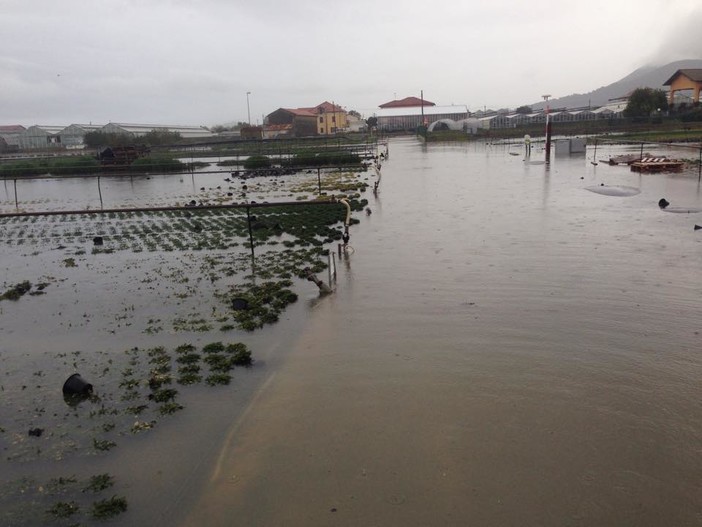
(301, 122)
(331, 118)
(324, 119)
(685, 80)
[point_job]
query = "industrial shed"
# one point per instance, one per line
(138, 130)
(73, 136)
(11, 134)
(40, 137)
(409, 118)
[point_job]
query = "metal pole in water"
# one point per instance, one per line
(248, 217)
(594, 155)
(548, 130)
(100, 192)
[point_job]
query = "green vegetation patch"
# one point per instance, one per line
(64, 509)
(16, 291)
(157, 163)
(257, 161)
(59, 166)
(99, 482)
(265, 303)
(109, 508)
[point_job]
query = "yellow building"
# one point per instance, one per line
(331, 118)
(685, 80)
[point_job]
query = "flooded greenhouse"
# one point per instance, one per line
(508, 343)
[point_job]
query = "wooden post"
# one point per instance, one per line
(319, 180)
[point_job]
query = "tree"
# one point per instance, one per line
(97, 139)
(644, 101)
(355, 114)
(372, 122)
(160, 137)
(524, 110)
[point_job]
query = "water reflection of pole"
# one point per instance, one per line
(16, 202)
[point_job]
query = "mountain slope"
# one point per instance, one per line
(645, 77)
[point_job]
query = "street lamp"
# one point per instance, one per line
(248, 108)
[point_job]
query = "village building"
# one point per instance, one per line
(412, 112)
(324, 119)
(682, 83)
(290, 122)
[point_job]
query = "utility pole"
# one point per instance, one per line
(248, 108)
(548, 130)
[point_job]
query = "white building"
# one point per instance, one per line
(410, 117)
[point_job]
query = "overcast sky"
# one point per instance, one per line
(191, 62)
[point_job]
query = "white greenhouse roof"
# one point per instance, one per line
(185, 131)
(417, 110)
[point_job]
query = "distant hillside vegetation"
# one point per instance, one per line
(645, 77)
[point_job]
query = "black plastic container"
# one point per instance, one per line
(76, 385)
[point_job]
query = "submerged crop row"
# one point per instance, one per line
(180, 230)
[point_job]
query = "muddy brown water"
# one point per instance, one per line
(505, 347)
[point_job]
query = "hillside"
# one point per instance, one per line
(645, 77)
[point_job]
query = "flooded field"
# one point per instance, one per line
(509, 344)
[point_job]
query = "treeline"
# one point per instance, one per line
(71, 166)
